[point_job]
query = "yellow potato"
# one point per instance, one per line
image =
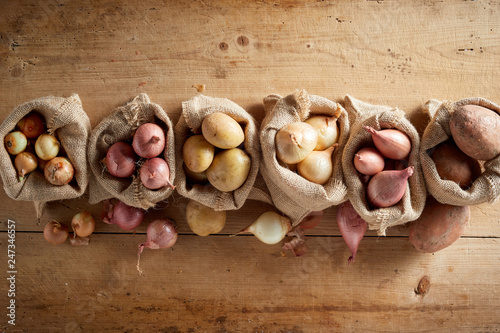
(204, 220)
(197, 153)
(222, 131)
(229, 170)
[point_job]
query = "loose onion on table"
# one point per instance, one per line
(149, 140)
(120, 160)
(351, 226)
(83, 224)
(161, 234)
(55, 232)
(392, 143)
(124, 216)
(269, 228)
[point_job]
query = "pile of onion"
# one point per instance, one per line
(83, 225)
(148, 143)
(384, 167)
(34, 148)
(307, 147)
(217, 156)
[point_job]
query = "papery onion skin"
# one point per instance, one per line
(79, 241)
(120, 160)
(124, 216)
(387, 188)
(295, 141)
(32, 125)
(155, 174)
(25, 163)
(15, 142)
(327, 130)
(351, 226)
(47, 147)
(392, 143)
(55, 232)
(83, 224)
(59, 171)
(149, 140)
(161, 234)
(369, 161)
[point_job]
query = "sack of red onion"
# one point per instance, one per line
(460, 151)
(44, 153)
(218, 149)
(302, 139)
(381, 166)
(131, 155)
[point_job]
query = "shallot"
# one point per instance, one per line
(369, 161)
(317, 167)
(161, 234)
(124, 216)
(155, 174)
(392, 143)
(269, 228)
(295, 141)
(327, 129)
(149, 140)
(387, 187)
(120, 160)
(351, 226)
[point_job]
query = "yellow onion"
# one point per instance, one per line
(25, 163)
(327, 129)
(295, 141)
(47, 147)
(317, 167)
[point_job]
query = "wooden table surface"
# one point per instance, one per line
(397, 53)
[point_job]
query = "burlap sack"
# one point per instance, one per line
(486, 188)
(377, 116)
(291, 193)
(66, 120)
(193, 112)
(120, 126)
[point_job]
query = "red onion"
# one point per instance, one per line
(387, 187)
(120, 160)
(155, 173)
(149, 140)
(161, 234)
(352, 227)
(124, 216)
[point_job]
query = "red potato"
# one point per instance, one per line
(452, 164)
(439, 226)
(476, 131)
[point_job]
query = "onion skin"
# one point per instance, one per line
(32, 125)
(297, 243)
(295, 141)
(392, 143)
(15, 142)
(149, 140)
(59, 171)
(120, 160)
(369, 161)
(155, 174)
(161, 234)
(25, 163)
(351, 226)
(386, 188)
(55, 232)
(124, 216)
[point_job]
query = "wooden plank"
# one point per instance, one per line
(240, 284)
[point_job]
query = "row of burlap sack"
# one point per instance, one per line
(274, 184)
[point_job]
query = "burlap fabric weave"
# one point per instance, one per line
(486, 188)
(121, 126)
(194, 111)
(66, 119)
(377, 116)
(291, 193)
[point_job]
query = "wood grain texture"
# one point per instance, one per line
(398, 53)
